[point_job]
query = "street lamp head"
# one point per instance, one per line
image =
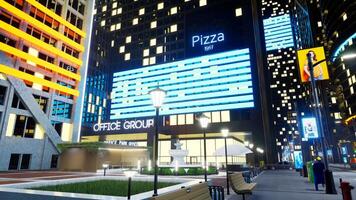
(250, 145)
(105, 166)
(204, 121)
(225, 132)
(259, 150)
(157, 96)
(130, 173)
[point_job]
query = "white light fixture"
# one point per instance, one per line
(225, 132)
(259, 150)
(130, 173)
(157, 96)
(105, 166)
(349, 56)
(250, 145)
(204, 121)
(149, 167)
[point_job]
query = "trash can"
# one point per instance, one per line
(310, 171)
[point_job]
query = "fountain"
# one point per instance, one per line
(178, 154)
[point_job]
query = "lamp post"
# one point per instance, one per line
(157, 96)
(225, 133)
(105, 166)
(329, 180)
(129, 174)
(204, 122)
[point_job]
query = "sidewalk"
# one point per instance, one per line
(285, 184)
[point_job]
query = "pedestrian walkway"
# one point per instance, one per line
(285, 185)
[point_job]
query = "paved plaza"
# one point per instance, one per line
(274, 185)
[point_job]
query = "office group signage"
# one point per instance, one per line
(133, 125)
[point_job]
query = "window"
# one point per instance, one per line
(215, 117)
(181, 119)
(344, 17)
(174, 10)
(2, 95)
(225, 116)
(127, 56)
(238, 12)
(128, 39)
(145, 61)
(146, 52)
(160, 6)
(135, 21)
(173, 120)
(122, 49)
(54, 161)
(154, 24)
(153, 42)
(141, 11)
(118, 26)
(104, 8)
(173, 28)
(202, 3)
(25, 161)
(159, 49)
(114, 5)
(152, 60)
(14, 161)
(102, 23)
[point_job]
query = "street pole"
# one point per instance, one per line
(205, 167)
(329, 180)
(156, 154)
(129, 189)
(227, 172)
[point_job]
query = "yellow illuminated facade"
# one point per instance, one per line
(43, 55)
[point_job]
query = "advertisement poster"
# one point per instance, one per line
(310, 129)
(320, 70)
(298, 159)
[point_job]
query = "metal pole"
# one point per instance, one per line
(156, 153)
(329, 181)
(129, 189)
(205, 167)
(104, 171)
(227, 172)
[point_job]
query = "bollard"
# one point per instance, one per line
(346, 190)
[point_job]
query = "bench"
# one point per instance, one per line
(238, 184)
(200, 191)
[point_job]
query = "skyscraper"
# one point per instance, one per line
(44, 51)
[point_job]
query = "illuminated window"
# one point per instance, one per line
(202, 2)
(154, 24)
(122, 49)
(189, 119)
(344, 17)
(127, 56)
(173, 120)
(113, 12)
(160, 6)
(153, 42)
(97, 100)
(159, 49)
(215, 117)
(102, 23)
(225, 116)
(104, 103)
(32, 52)
(112, 27)
(141, 11)
(112, 43)
(146, 52)
(119, 10)
(104, 8)
(173, 28)
(145, 61)
(238, 12)
(114, 5)
(135, 21)
(128, 39)
(152, 60)
(118, 26)
(352, 90)
(320, 24)
(181, 119)
(174, 10)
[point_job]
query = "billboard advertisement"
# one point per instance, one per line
(320, 70)
(220, 81)
(310, 129)
(298, 159)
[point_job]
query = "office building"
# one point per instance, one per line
(44, 53)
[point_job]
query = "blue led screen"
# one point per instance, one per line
(219, 81)
(278, 32)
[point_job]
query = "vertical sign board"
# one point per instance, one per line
(298, 159)
(320, 70)
(310, 129)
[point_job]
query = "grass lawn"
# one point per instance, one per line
(104, 187)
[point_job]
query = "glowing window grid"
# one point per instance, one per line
(209, 83)
(278, 32)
